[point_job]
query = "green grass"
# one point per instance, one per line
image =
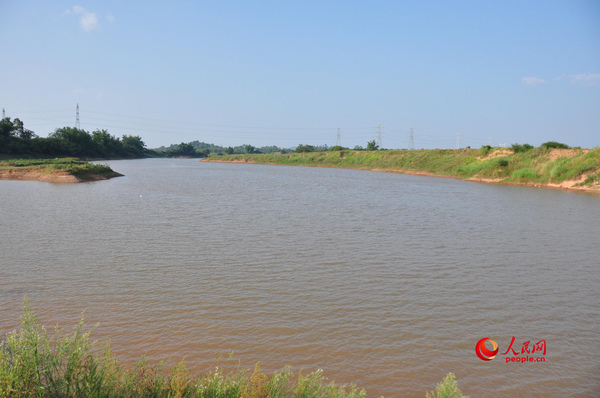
(535, 165)
(37, 362)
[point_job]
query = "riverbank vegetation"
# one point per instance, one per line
(545, 165)
(54, 170)
(37, 362)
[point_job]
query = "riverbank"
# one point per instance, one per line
(572, 169)
(60, 170)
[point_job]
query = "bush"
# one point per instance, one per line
(485, 149)
(338, 148)
(502, 162)
(448, 388)
(521, 147)
(554, 144)
(305, 148)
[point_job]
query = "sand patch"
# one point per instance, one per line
(498, 153)
(565, 153)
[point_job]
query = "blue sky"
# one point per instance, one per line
(290, 72)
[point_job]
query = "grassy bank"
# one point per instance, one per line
(49, 169)
(36, 362)
(561, 168)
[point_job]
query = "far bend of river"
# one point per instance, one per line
(384, 280)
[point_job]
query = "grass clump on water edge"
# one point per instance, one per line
(36, 362)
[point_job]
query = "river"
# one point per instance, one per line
(380, 279)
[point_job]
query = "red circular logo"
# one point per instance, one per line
(482, 351)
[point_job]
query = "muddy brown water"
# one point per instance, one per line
(384, 280)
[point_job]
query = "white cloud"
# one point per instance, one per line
(532, 81)
(588, 79)
(110, 18)
(87, 20)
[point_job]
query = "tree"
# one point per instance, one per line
(184, 149)
(305, 148)
(20, 131)
(229, 150)
(372, 146)
(6, 134)
(107, 145)
(133, 145)
(249, 149)
(74, 141)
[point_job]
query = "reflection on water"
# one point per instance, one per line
(380, 279)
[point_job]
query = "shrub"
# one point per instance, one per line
(521, 147)
(485, 149)
(554, 144)
(592, 179)
(305, 148)
(448, 388)
(502, 162)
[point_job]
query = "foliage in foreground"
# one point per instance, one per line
(36, 362)
(448, 388)
(40, 363)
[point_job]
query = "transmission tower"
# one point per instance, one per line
(411, 142)
(77, 125)
(378, 140)
(457, 140)
(3, 113)
(338, 142)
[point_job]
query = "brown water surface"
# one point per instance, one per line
(384, 280)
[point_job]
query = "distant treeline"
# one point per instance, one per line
(15, 139)
(203, 149)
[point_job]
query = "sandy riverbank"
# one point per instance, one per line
(53, 176)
